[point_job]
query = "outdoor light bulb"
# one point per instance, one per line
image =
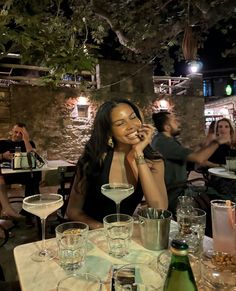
(194, 66)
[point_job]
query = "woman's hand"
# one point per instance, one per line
(145, 134)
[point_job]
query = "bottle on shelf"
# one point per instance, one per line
(180, 275)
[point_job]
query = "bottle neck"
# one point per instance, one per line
(180, 253)
(180, 258)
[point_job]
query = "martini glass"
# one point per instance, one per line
(42, 205)
(117, 192)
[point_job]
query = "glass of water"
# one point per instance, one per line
(138, 276)
(80, 281)
(72, 244)
(191, 229)
(118, 230)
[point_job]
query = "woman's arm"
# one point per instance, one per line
(75, 211)
(150, 173)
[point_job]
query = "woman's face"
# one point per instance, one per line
(223, 128)
(124, 124)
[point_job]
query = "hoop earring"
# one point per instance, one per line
(110, 142)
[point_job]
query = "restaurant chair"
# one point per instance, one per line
(3, 237)
(66, 177)
(199, 190)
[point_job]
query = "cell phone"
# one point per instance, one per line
(126, 277)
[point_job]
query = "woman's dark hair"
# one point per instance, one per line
(91, 161)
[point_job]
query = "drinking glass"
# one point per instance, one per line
(191, 228)
(118, 229)
(219, 270)
(42, 205)
(117, 192)
(138, 276)
(223, 226)
(17, 149)
(185, 204)
(231, 164)
(72, 244)
(79, 281)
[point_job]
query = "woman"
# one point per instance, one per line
(225, 187)
(118, 151)
(223, 128)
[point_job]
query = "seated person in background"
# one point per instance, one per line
(19, 138)
(176, 156)
(226, 187)
(118, 151)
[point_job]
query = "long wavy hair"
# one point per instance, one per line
(91, 161)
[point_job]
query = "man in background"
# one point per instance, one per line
(19, 139)
(176, 155)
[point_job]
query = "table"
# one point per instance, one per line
(51, 165)
(222, 172)
(44, 276)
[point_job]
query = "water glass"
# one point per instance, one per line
(185, 204)
(72, 244)
(79, 281)
(137, 276)
(231, 164)
(191, 228)
(118, 230)
(223, 226)
(17, 149)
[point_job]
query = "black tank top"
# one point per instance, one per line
(98, 205)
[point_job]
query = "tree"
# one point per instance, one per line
(66, 36)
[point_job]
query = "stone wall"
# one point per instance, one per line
(190, 110)
(47, 113)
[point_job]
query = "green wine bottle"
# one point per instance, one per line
(180, 276)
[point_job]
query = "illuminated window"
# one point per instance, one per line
(82, 110)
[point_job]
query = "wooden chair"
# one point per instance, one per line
(66, 177)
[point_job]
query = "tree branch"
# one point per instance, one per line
(120, 34)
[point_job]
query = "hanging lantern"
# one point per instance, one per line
(189, 44)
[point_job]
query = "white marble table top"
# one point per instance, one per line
(44, 276)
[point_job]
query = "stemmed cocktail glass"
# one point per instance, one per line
(42, 205)
(117, 192)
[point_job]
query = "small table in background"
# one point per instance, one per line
(222, 172)
(49, 166)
